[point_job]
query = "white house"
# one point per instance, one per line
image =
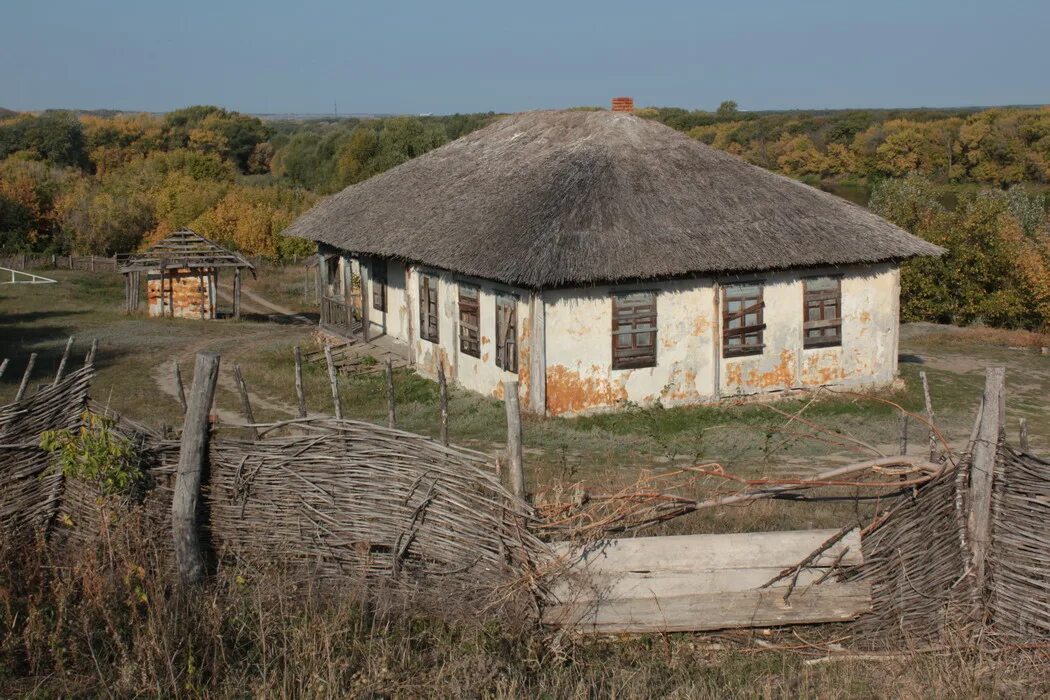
(603, 259)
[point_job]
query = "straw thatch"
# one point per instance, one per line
(543, 199)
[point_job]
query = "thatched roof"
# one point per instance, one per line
(542, 199)
(185, 248)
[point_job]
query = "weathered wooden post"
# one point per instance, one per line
(982, 469)
(25, 377)
(180, 390)
(236, 292)
(246, 404)
(929, 416)
(299, 382)
(391, 414)
(443, 398)
(193, 451)
(514, 447)
(1022, 432)
(332, 379)
(62, 363)
(89, 359)
(902, 430)
(366, 328)
(3, 366)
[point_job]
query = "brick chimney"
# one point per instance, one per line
(623, 104)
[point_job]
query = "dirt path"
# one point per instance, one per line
(263, 305)
(163, 375)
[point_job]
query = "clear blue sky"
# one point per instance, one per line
(459, 56)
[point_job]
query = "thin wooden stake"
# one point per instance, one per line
(89, 359)
(982, 471)
(929, 415)
(332, 380)
(1022, 435)
(3, 366)
(299, 394)
(514, 448)
(180, 389)
(443, 396)
(193, 451)
(246, 404)
(236, 292)
(62, 363)
(391, 414)
(25, 377)
(902, 429)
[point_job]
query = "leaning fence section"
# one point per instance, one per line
(1019, 581)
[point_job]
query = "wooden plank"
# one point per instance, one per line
(299, 393)
(618, 585)
(828, 602)
(689, 553)
(333, 381)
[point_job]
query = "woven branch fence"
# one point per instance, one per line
(347, 500)
(332, 499)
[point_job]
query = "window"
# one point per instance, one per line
(507, 332)
(428, 307)
(379, 285)
(742, 324)
(822, 312)
(634, 330)
(469, 321)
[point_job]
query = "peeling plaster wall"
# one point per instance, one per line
(580, 378)
(866, 358)
(394, 321)
(478, 374)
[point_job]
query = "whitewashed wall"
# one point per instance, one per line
(689, 367)
(478, 374)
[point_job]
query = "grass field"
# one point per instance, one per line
(135, 377)
(110, 625)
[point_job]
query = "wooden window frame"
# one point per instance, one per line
(752, 336)
(633, 321)
(429, 308)
(379, 285)
(507, 334)
(470, 320)
(827, 326)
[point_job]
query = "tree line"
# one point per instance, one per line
(974, 181)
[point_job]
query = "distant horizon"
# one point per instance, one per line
(468, 56)
(638, 106)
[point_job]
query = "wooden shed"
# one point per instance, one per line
(182, 277)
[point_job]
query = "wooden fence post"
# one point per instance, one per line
(193, 450)
(62, 363)
(514, 448)
(982, 469)
(237, 292)
(246, 404)
(902, 429)
(89, 359)
(25, 377)
(3, 367)
(299, 382)
(443, 397)
(929, 415)
(332, 379)
(180, 389)
(1022, 432)
(391, 414)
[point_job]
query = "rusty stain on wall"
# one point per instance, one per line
(681, 386)
(823, 368)
(780, 376)
(568, 392)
